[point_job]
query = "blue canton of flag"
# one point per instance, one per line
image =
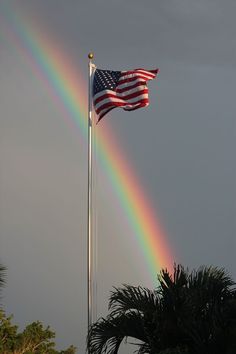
(126, 89)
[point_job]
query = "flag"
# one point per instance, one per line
(126, 89)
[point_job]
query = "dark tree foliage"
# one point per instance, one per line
(35, 338)
(2, 276)
(188, 313)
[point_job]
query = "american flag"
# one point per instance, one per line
(126, 89)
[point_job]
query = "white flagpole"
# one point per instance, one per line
(89, 225)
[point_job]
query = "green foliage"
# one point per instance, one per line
(189, 313)
(35, 338)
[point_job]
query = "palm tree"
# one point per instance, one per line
(2, 277)
(189, 312)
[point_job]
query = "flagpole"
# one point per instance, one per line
(89, 225)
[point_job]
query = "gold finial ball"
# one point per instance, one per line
(90, 56)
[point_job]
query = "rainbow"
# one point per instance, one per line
(65, 83)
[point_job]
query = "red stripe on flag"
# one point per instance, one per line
(139, 83)
(124, 98)
(130, 79)
(120, 104)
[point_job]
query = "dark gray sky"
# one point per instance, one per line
(182, 149)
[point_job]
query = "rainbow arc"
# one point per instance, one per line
(65, 83)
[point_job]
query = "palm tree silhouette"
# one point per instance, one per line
(2, 276)
(188, 313)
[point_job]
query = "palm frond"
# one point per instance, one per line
(214, 280)
(106, 335)
(131, 298)
(178, 280)
(2, 275)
